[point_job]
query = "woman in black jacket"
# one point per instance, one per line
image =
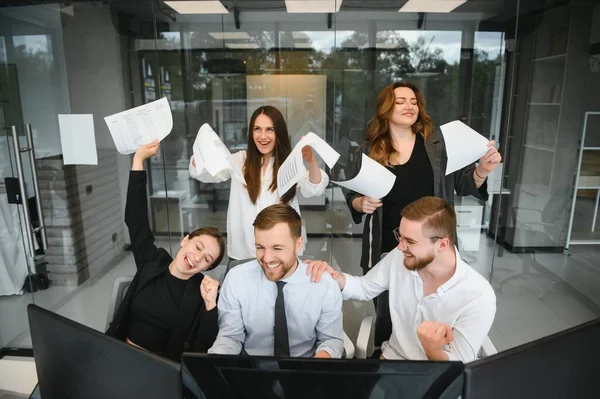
(401, 137)
(170, 306)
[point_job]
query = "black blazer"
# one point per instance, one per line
(195, 328)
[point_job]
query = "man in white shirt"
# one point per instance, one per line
(269, 306)
(441, 308)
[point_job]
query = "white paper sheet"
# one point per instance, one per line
(210, 148)
(293, 169)
(463, 145)
(373, 179)
(141, 125)
(214, 153)
(77, 139)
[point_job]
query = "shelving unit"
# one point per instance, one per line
(546, 121)
(543, 111)
(587, 183)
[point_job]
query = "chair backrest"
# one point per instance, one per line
(119, 289)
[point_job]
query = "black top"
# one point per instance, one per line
(192, 327)
(153, 312)
(414, 180)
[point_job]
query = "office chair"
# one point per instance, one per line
(119, 289)
(547, 228)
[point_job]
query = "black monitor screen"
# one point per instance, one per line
(75, 361)
(226, 377)
(562, 365)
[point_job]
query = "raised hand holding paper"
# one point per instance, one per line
(140, 125)
(210, 151)
(292, 169)
(373, 179)
(463, 145)
(210, 148)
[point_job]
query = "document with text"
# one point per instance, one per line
(141, 125)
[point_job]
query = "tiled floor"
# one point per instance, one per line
(528, 307)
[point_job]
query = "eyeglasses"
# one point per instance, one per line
(404, 245)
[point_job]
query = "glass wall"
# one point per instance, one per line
(519, 73)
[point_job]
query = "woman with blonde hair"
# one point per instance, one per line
(401, 137)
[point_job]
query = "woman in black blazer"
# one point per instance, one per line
(170, 306)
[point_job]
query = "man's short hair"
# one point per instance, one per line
(279, 213)
(437, 216)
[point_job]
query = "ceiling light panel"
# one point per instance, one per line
(313, 6)
(198, 7)
(432, 6)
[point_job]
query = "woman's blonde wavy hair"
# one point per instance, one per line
(378, 130)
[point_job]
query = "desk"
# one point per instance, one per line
(18, 375)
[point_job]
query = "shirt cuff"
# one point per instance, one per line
(314, 184)
(335, 354)
(349, 291)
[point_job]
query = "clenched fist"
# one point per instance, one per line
(209, 288)
(434, 336)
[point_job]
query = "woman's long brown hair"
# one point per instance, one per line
(378, 130)
(253, 164)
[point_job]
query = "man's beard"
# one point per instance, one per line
(416, 264)
(280, 272)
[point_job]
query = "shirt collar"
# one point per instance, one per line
(459, 273)
(299, 274)
(268, 176)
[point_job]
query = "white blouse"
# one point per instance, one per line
(242, 212)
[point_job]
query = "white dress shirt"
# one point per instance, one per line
(242, 212)
(247, 313)
(466, 303)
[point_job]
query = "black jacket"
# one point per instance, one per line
(196, 328)
(443, 187)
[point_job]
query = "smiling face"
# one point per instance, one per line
(418, 249)
(277, 251)
(196, 254)
(263, 133)
(406, 109)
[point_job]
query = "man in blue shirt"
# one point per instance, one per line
(269, 306)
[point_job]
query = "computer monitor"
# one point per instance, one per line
(233, 377)
(562, 365)
(75, 361)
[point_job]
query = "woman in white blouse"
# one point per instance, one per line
(268, 146)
